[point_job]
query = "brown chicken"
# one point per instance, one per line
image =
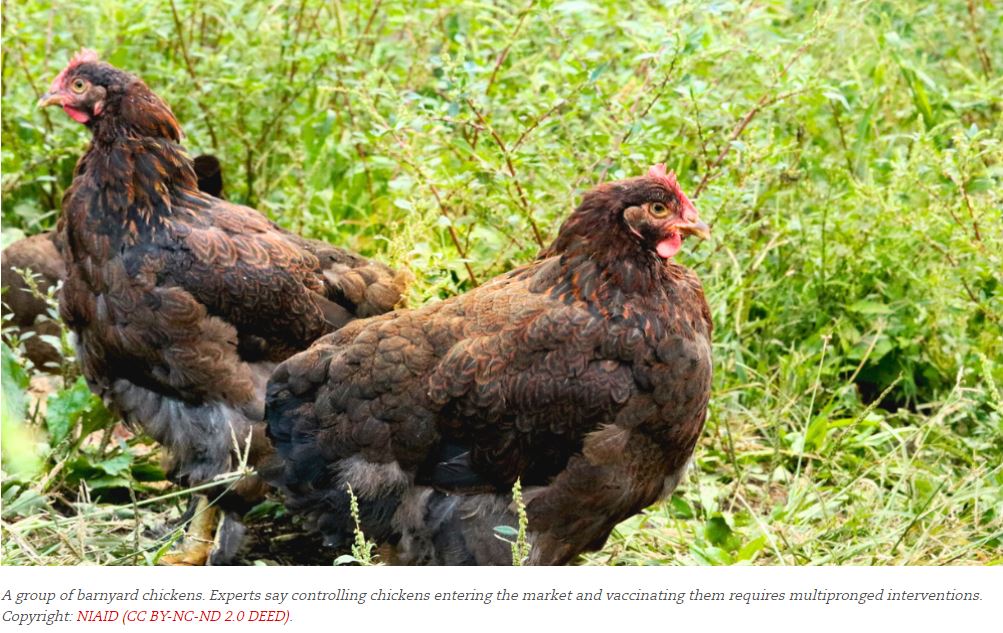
(40, 255)
(183, 303)
(28, 312)
(585, 375)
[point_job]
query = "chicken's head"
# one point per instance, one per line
(82, 88)
(92, 92)
(649, 214)
(658, 213)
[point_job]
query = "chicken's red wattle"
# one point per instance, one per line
(669, 246)
(76, 115)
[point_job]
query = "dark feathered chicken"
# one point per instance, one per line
(40, 255)
(585, 374)
(182, 303)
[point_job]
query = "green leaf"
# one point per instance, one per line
(681, 508)
(711, 555)
(15, 382)
(268, 509)
(116, 465)
(597, 71)
(864, 133)
(817, 431)
(20, 501)
(20, 455)
(98, 483)
(978, 185)
(920, 100)
(65, 409)
(750, 549)
(870, 307)
(506, 530)
(717, 530)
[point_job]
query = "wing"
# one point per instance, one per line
(497, 370)
(521, 395)
(248, 272)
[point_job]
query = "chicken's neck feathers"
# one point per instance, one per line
(610, 284)
(130, 184)
(133, 111)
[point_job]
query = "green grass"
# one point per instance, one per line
(848, 155)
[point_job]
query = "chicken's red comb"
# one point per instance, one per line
(657, 172)
(83, 56)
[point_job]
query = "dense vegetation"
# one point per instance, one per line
(848, 155)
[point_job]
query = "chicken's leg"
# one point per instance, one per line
(199, 539)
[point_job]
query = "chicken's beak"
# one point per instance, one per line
(698, 228)
(50, 98)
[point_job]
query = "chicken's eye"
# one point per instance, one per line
(659, 210)
(78, 85)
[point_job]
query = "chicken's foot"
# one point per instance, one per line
(199, 539)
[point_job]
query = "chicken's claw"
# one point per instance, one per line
(199, 539)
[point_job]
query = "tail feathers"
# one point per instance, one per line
(365, 287)
(209, 174)
(368, 290)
